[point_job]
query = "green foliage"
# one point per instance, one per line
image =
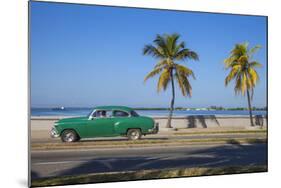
(168, 50)
(242, 69)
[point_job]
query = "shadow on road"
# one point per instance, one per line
(200, 121)
(233, 154)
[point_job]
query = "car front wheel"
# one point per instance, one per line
(69, 136)
(134, 134)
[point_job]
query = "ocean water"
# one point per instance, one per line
(86, 111)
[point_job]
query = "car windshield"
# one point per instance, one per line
(134, 113)
(90, 113)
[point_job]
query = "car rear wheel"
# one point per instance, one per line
(69, 136)
(134, 134)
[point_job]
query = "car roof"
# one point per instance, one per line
(113, 108)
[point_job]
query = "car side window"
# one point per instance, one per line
(134, 113)
(119, 113)
(102, 114)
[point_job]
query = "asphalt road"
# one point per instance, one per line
(59, 163)
(159, 137)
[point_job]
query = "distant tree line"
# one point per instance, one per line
(237, 108)
(209, 108)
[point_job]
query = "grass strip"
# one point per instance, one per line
(145, 174)
(221, 132)
(141, 143)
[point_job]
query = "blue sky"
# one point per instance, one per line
(85, 56)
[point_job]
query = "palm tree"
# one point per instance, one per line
(168, 50)
(242, 70)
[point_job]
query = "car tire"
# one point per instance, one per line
(69, 136)
(134, 134)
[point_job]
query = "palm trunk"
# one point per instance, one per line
(172, 102)
(250, 108)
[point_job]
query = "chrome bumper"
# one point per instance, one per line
(54, 133)
(155, 129)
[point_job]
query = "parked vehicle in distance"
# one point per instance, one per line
(105, 121)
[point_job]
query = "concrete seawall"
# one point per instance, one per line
(198, 121)
(211, 121)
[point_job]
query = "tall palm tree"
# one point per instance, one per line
(242, 70)
(168, 50)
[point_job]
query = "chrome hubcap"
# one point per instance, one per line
(134, 135)
(69, 137)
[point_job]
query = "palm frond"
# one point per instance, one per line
(184, 84)
(186, 54)
(184, 70)
(253, 76)
(238, 51)
(238, 84)
(255, 64)
(161, 45)
(242, 59)
(164, 79)
(153, 51)
(244, 83)
(232, 74)
(153, 73)
(171, 41)
(228, 62)
(180, 82)
(163, 63)
(249, 82)
(254, 50)
(179, 47)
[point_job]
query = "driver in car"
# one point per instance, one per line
(103, 114)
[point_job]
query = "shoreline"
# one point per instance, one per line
(78, 112)
(52, 117)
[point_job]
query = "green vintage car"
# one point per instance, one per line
(105, 121)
